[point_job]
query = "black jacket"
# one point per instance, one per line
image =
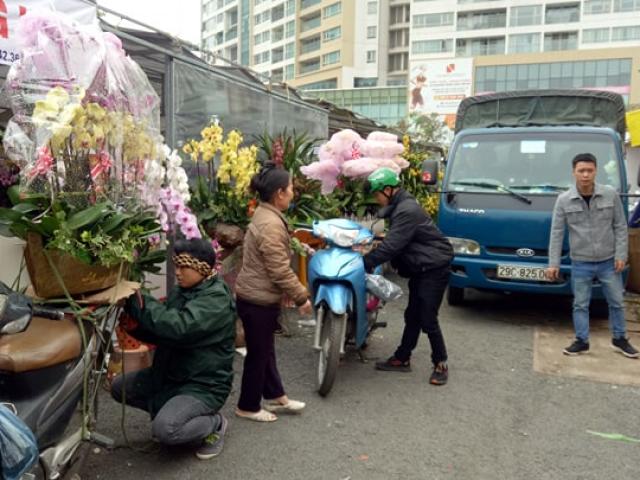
(414, 245)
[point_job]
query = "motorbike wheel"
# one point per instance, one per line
(329, 355)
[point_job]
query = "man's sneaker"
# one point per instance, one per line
(212, 445)
(623, 346)
(440, 374)
(392, 364)
(577, 348)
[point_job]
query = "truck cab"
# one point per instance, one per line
(510, 158)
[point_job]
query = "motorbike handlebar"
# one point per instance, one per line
(49, 313)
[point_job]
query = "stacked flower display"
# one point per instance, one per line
(351, 156)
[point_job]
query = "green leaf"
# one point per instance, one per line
(13, 193)
(615, 436)
(49, 225)
(115, 221)
(9, 214)
(25, 207)
(87, 216)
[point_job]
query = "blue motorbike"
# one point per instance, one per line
(345, 312)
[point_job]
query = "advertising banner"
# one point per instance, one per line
(12, 10)
(438, 86)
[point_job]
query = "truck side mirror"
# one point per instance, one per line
(430, 172)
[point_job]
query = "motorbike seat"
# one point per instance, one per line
(44, 344)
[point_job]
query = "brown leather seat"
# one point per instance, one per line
(43, 344)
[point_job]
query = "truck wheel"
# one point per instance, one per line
(329, 355)
(455, 296)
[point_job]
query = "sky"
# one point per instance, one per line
(178, 17)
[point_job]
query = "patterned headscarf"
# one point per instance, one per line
(186, 260)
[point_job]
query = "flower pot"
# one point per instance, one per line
(78, 277)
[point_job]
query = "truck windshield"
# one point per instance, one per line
(533, 162)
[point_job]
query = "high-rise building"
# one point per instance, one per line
(361, 54)
(313, 44)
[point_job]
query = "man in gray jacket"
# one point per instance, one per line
(597, 228)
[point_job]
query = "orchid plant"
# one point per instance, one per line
(223, 174)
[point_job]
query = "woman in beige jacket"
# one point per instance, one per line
(265, 275)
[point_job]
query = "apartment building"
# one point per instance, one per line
(313, 44)
(362, 54)
(517, 44)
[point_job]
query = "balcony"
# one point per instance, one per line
(308, 67)
(308, 3)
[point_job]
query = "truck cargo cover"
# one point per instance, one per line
(527, 108)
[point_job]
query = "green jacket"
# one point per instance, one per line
(194, 331)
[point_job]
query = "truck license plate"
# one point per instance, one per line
(521, 272)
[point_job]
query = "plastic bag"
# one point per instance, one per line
(383, 288)
(18, 446)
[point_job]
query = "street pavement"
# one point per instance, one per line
(496, 419)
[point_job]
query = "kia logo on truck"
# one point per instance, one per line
(525, 252)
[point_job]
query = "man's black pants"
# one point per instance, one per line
(425, 296)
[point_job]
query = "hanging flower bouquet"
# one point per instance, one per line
(223, 171)
(85, 126)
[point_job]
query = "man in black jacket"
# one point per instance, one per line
(419, 251)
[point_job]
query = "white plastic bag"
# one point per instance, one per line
(383, 288)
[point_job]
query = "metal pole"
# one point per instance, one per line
(170, 138)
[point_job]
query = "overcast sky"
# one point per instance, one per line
(178, 17)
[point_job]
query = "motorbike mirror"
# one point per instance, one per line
(16, 312)
(430, 172)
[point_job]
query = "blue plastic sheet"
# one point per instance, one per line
(18, 446)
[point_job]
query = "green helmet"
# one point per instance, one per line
(381, 178)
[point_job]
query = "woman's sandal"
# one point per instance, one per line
(293, 406)
(259, 416)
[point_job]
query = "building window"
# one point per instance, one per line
(562, 13)
(482, 20)
(331, 58)
(626, 5)
(580, 74)
(595, 35)
(560, 41)
(360, 82)
(433, 20)
(398, 62)
(372, 7)
(625, 34)
(290, 8)
(372, 32)
(261, 37)
(471, 47)
(308, 3)
(432, 46)
(524, 43)
(310, 23)
(262, 17)
(290, 29)
(400, 14)
(527, 15)
(277, 34)
(289, 50)
(399, 38)
(371, 56)
(332, 10)
(310, 66)
(331, 34)
(261, 58)
(596, 6)
(310, 44)
(289, 72)
(324, 84)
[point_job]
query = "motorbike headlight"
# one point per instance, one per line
(464, 246)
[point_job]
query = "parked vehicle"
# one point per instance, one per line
(509, 160)
(49, 366)
(345, 312)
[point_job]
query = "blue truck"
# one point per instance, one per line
(509, 160)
